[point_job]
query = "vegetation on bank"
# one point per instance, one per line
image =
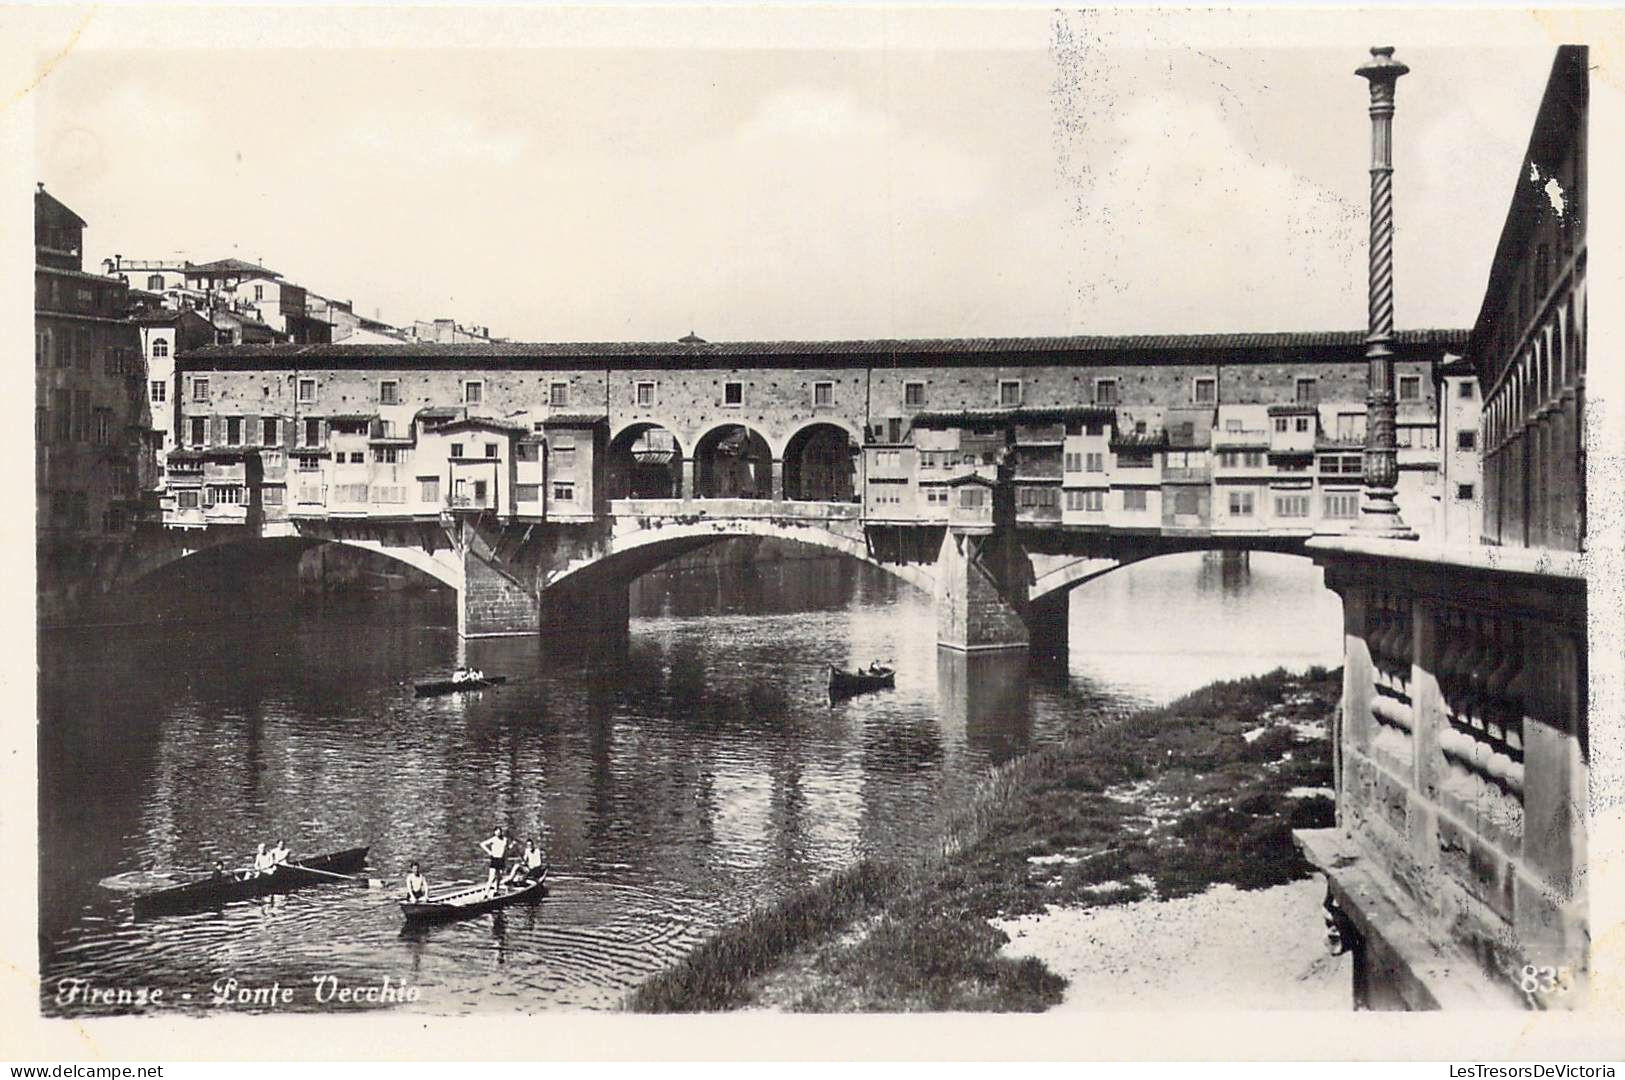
(1164, 803)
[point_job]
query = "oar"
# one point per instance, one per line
(370, 882)
(137, 880)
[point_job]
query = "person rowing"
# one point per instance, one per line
(261, 863)
(495, 846)
(417, 886)
(278, 856)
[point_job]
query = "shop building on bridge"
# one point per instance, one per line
(1197, 434)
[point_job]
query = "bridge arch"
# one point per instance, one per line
(1059, 575)
(821, 462)
(442, 564)
(637, 549)
(645, 461)
(733, 461)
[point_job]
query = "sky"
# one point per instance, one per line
(1047, 179)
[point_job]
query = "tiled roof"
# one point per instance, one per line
(914, 347)
(229, 266)
(971, 478)
(1012, 415)
(77, 275)
(489, 423)
(245, 320)
(1293, 408)
(574, 419)
(211, 453)
(49, 205)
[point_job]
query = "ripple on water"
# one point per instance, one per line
(678, 782)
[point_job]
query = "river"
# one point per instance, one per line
(678, 780)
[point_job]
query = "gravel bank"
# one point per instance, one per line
(1223, 949)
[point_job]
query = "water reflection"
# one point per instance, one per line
(985, 696)
(679, 778)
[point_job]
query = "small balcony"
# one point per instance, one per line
(1242, 439)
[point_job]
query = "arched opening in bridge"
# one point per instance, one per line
(281, 577)
(1160, 627)
(645, 462)
(820, 464)
(733, 462)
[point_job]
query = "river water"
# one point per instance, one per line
(679, 780)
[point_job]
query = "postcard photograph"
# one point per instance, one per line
(844, 511)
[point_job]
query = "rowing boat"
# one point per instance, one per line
(212, 892)
(843, 684)
(452, 686)
(472, 901)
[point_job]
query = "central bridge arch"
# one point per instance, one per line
(646, 534)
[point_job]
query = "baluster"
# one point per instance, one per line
(1388, 637)
(1406, 638)
(1450, 662)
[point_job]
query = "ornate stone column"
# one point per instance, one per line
(1379, 511)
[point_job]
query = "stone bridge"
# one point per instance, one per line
(995, 588)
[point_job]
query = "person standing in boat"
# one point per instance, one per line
(219, 871)
(417, 886)
(495, 846)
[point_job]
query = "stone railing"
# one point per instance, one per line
(1459, 854)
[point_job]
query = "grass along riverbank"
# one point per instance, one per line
(1161, 805)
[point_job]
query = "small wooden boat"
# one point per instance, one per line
(472, 901)
(843, 684)
(213, 892)
(452, 686)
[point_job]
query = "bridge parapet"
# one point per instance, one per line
(1460, 851)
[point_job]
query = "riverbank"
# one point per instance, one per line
(1155, 809)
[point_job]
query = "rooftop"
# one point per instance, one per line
(574, 419)
(1012, 415)
(881, 347)
(229, 266)
(54, 209)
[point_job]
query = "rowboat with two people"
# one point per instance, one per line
(462, 679)
(844, 684)
(222, 886)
